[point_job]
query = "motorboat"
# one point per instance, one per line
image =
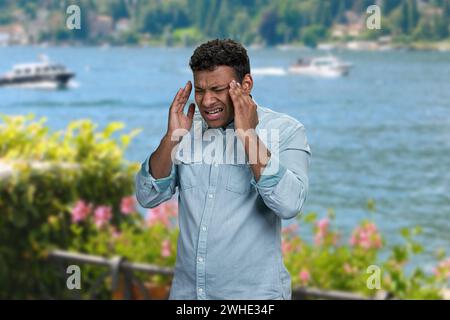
(43, 74)
(328, 67)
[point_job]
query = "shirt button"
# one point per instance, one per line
(200, 259)
(204, 228)
(216, 165)
(210, 196)
(200, 290)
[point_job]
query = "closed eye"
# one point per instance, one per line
(217, 90)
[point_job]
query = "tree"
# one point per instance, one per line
(389, 5)
(311, 35)
(413, 15)
(404, 21)
(340, 18)
(268, 25)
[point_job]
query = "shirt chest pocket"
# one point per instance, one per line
(239, 178)
(189, 174)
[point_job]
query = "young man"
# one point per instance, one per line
(230, 211)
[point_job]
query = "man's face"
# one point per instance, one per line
(212, 96)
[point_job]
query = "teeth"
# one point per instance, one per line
(214, 111)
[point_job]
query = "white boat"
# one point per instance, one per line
(270, 71)
(329, 67)
(42, 75)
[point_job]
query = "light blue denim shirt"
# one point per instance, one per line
(229, 246)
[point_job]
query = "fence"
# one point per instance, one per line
(121, 270)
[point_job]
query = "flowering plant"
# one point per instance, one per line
(128, 233)
(329, 262)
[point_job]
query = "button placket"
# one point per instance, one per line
(202, 240)
(205, 220)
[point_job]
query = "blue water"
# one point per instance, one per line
(382, 133)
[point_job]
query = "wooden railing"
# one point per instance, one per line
(122, 270)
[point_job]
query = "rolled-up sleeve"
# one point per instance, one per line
(283, 184)
(150, 192)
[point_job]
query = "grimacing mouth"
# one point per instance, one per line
(214, 111)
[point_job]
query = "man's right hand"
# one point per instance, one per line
(177, 119)
(179, 125)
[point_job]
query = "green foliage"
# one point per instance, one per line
(331, 263)
(151, 240)
(52, 171)
(272, 22)
(80, 200)
(187, 36)
(313, 34)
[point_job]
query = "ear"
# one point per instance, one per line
(247, 83)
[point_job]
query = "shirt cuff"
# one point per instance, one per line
(161, 184)
(271, 174)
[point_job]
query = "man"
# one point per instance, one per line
(230, 212)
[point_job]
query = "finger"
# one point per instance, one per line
(175, 99)
(239, 91)
(243, 96)
(186, 93)
(239, 95)
(191, 111)
(233, 95)
(183, 97)
(241, 88)
(249, 101)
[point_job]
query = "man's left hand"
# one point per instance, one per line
(245, 122)
(245, 115)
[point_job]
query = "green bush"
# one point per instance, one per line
(331, 262)
(73, 190)
(152, 239)
(35, 203)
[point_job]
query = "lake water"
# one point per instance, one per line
(382, 133)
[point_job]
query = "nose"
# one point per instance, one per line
(209, 99)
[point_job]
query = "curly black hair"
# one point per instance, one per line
(221, 52)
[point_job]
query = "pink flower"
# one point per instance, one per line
(162, 214)
(323, 224)
(81, 211)
(348, 268)
(365, 244)
(443, 269)
(318, 237)
(157, 215)
(353, 240)
(290, 229)
(378, 243)
(170, 208)
(371, 228)
(102, 215)
(115, 233)
(304, 276)
(165, 248)
(435, 272)
(128, 205)
(285, 246)
(366, 236)
(321, 231)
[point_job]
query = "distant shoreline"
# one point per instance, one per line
(357, 45)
